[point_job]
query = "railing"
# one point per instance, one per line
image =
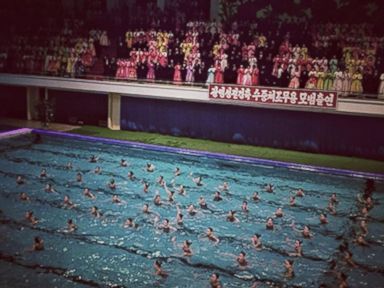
(341, 94)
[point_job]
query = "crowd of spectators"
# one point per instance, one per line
(342, 57)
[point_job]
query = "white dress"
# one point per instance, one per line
(381, 87)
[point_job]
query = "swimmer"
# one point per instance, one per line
(93, 159)
(269, 225)
(95, 212)
(123, 163)
(202, 203)
(323, 218)
(342, 280)
(363, 228)
(214, 281)
(30, 218)
(166, 227)
(112, 184)
(331, 208)
(177, 172)
(179, 216)
(299, 192)
(157, 200)
(131, 176)
(360, 240)
(71, 227)
(160, 181)
(306, 232)
(38, 244)
(146, 209)
(224, 187)
(169, 193)
(241, 259)
(20, 180)
(255, 197)
(298, 249)
(211, 236)
(269, 188)
(69, 166)
(292, 200)
(23, 196)
(191, 210)
(288, 264)
(181, 190)
(217, 196)
(116, 199)
(348, 258)
(256, 241)
(333, 199)
(244, 207)
(49, 188)
(158, 270)
(129, 223)
(88, 193)
(97, 170)
(67, 202)
(187, 248)
(198, 181)
(79, 177)
(43, 173)
(146, 187)
(279, 212)
(231, 217)
(150, 167)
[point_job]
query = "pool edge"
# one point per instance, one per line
(222, 156)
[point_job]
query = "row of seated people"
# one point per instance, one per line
(206, 45)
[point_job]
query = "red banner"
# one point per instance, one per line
(270, 95)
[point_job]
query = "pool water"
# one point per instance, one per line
(102, 253)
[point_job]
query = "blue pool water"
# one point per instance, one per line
(102, 253)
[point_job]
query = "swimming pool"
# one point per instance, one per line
(102, 253)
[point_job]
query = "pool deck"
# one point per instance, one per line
(17, 123)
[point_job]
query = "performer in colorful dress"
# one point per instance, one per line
(240, 75)
(338, 82)
(295, 78)
(177, 74)
(312, 80)
(381, 87)
(347, 81)
(356, 85)
(247, 79)
(219, 77)
(151, 71)
(189, 78)
(255, 76)
(211, 75)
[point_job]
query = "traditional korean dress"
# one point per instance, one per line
(356, 86)
(338, 82)
(211, 75)
(177, 73)
(240, 76)
(328, 82)
(320, 80)
(295, 79)
(347, 81)
(255, 76)
(219, 77)
(381, 86)
(247, 79)
(312, 80)
(151, 71)
(190, 76)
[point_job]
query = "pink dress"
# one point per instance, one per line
(177, 74)
(151, 71)
(255, 77)
(219, 75)
(247, 79)
(294, 83)
(240, 76)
